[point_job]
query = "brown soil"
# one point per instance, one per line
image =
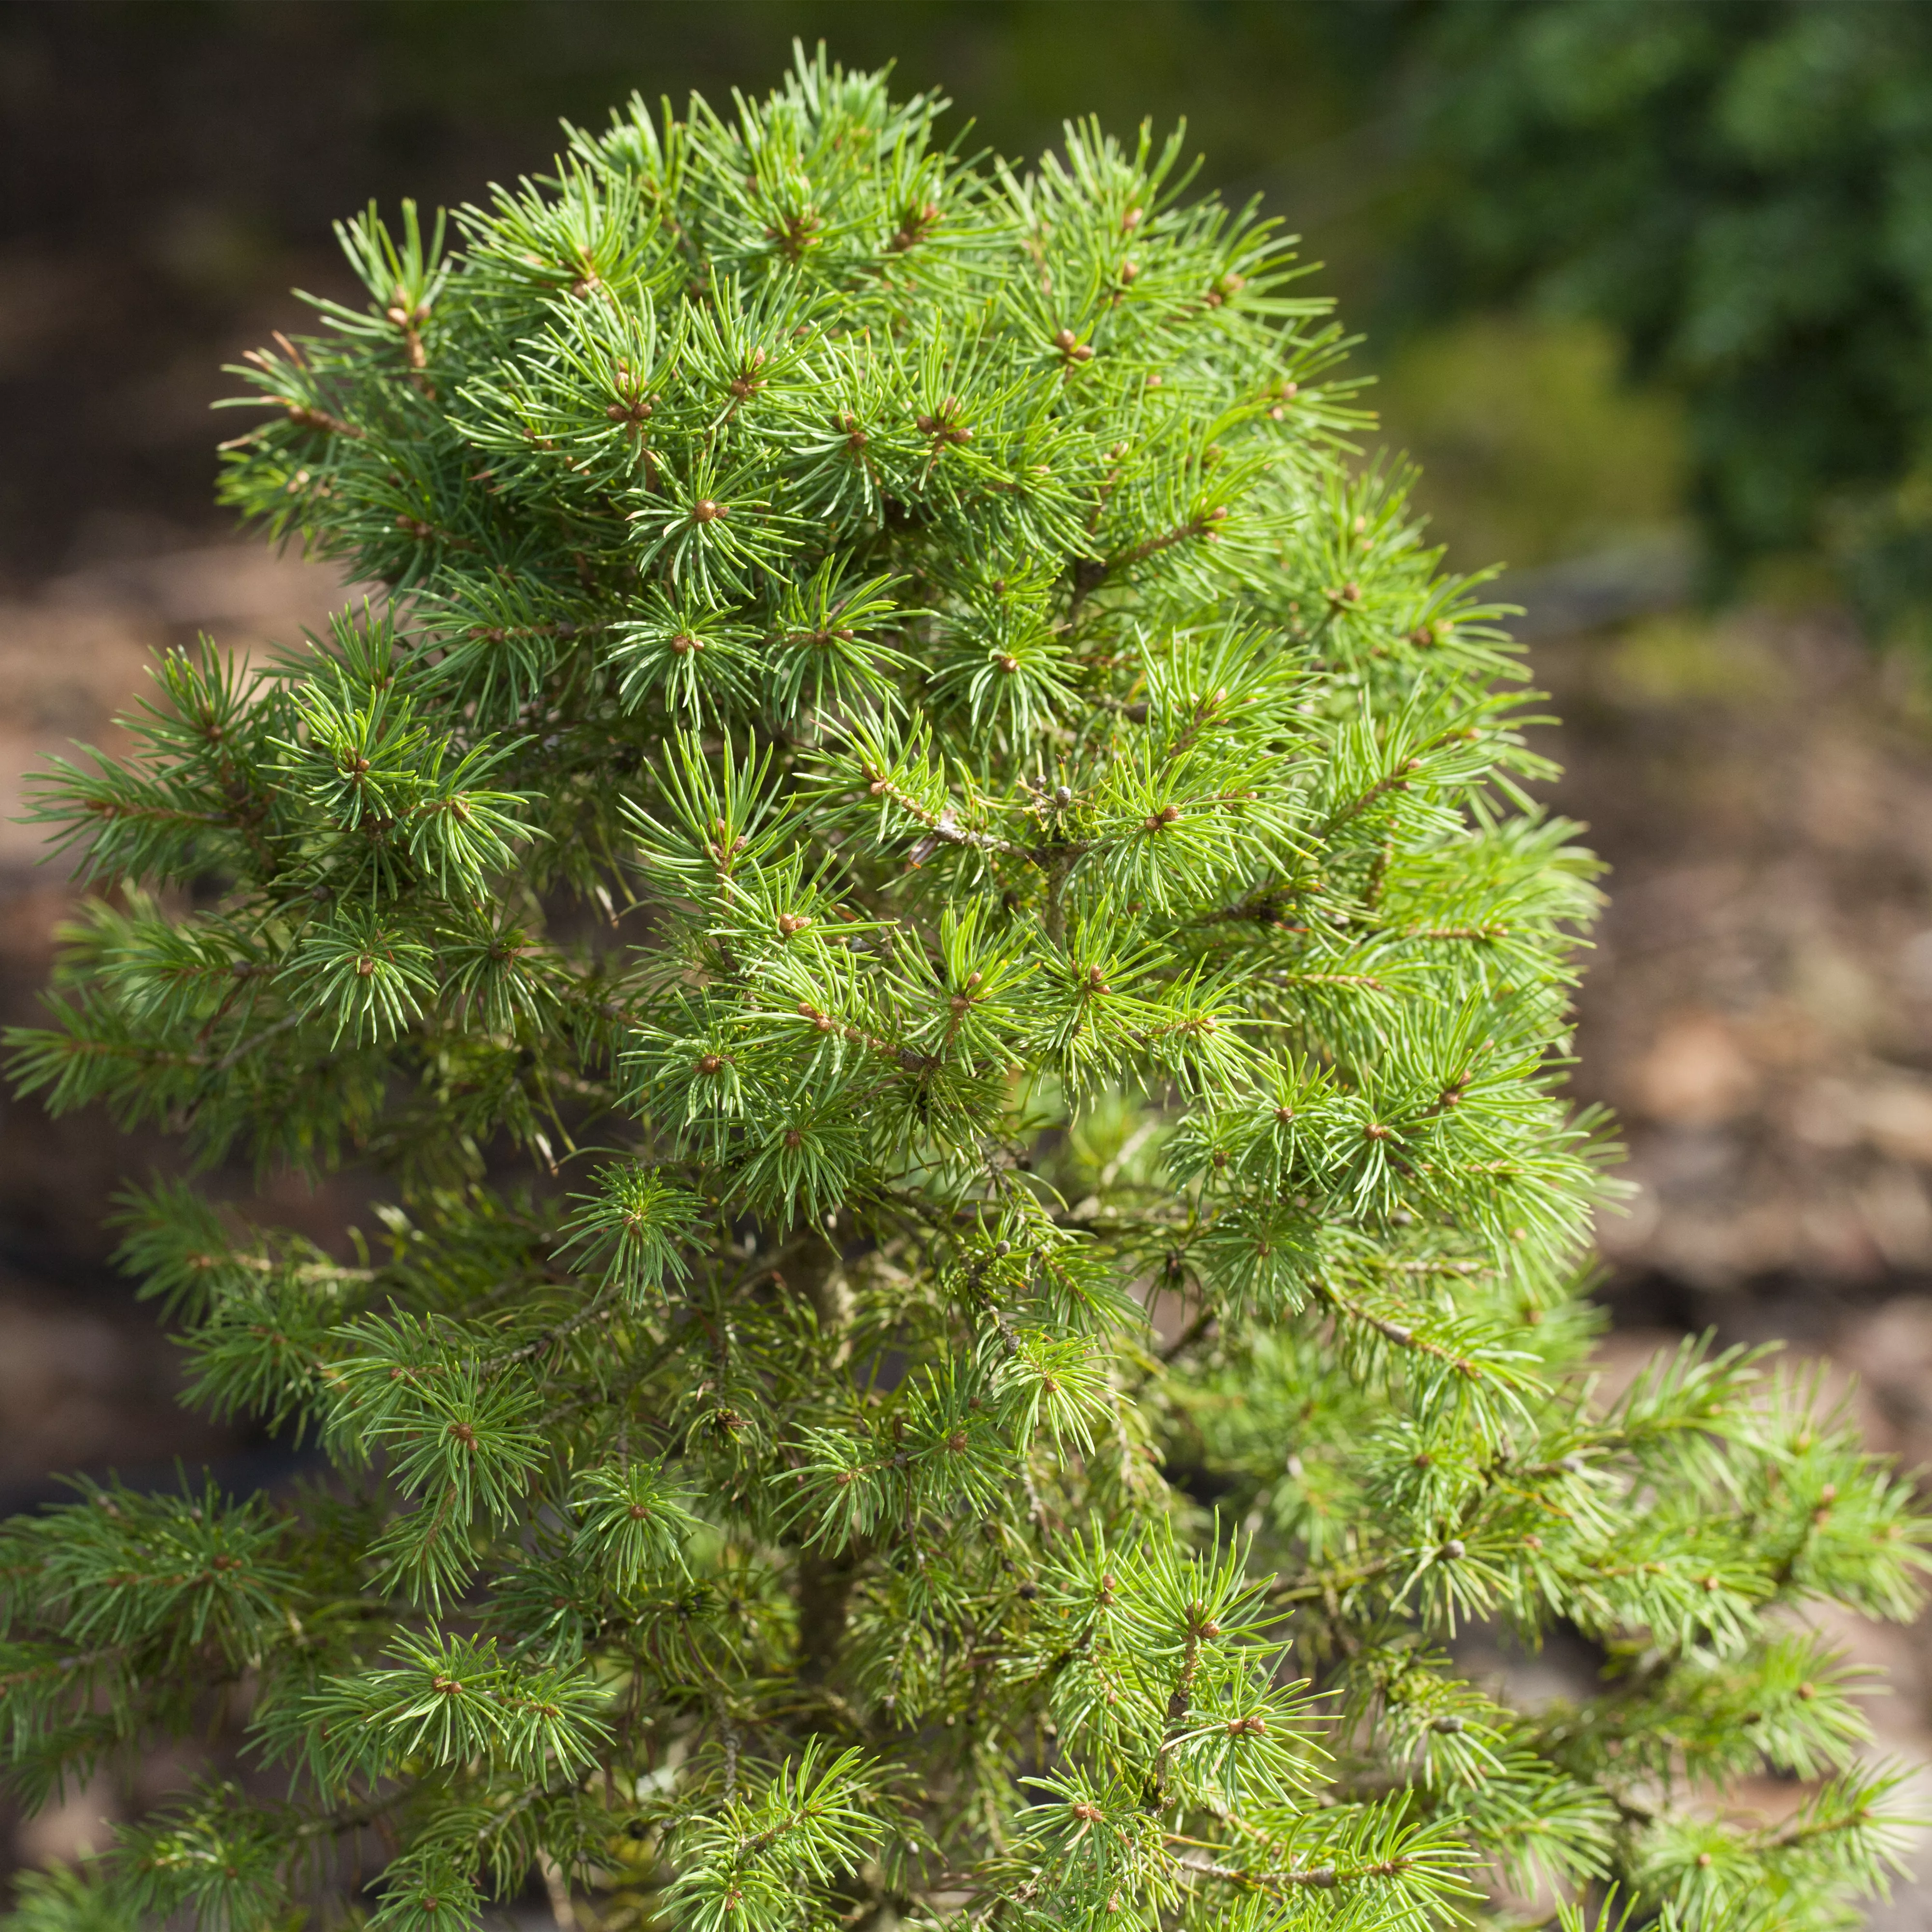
(1758, 1008)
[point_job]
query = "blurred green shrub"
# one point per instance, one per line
(1532, 449)
(1742, 189)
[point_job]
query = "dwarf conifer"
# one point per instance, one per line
(926, 897)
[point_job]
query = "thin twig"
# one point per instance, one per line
(236, 1055)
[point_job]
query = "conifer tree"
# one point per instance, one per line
(929, 904)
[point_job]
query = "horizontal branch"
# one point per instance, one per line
(1320, 1878)
(239, 1052)
(1394, 1331)
(597, 1309)
(1365, 980)
(943, 825)
(1313, 1583)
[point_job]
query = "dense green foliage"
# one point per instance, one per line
(928, 901)
(1743, 188)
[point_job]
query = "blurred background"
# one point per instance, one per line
(1646, 287)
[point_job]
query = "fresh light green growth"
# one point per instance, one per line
(928, 901)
